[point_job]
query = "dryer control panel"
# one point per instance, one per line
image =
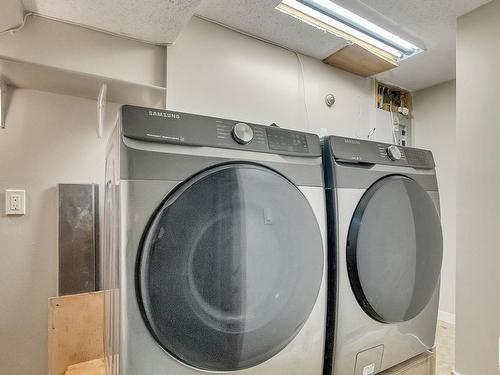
(156, 125)
(351, 150)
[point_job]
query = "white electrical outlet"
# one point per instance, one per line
(15, 202)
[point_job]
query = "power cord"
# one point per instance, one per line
(371, 132)
(302, 83)
(392, 125)
(299, 60)
(12, 31)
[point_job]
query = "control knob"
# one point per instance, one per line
(394, 152)
(242, 133)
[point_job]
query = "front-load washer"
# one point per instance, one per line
(215, 247)
(385, 253)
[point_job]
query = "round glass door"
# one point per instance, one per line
(394, 249)
(230, 267)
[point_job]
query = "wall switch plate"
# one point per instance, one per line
(15, 202)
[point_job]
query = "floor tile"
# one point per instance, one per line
(445, 348)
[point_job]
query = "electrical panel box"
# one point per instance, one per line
(398, 103)
(401, 129)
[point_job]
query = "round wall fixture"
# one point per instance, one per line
(330, 100)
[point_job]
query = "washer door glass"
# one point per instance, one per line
(230, 267)
(394, 249)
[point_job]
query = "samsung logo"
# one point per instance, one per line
(164, 114)
(352, 141)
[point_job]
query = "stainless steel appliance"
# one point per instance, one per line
(214, 258)
(385, 253)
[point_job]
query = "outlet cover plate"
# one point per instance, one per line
(15, 202)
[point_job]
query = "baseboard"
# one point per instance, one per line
(447, 318)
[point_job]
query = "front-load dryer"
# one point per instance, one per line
(215, 246)
(385, 254)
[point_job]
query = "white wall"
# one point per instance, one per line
(49, 139)
(478, 192)
(215, 71)
(435, 129)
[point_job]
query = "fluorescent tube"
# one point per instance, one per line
(350, 23)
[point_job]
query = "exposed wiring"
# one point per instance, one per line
(117, 34)
(299, 60)
(371, 132)
(302, 84)
(392, 125)
(88, 27)
(253, 36)
(12, 31)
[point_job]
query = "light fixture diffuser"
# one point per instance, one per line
(344, 23)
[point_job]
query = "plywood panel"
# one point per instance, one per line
(75, 330)
(359, 60)
(94, 367)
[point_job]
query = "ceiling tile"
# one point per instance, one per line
(261, 19)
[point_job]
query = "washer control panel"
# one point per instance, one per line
(163, 126)
(280, 140)
(350, 150)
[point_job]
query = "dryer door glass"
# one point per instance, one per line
(394, 249)
(230, 267)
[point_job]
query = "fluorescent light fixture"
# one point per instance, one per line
(354, 27)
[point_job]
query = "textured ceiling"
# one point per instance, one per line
(428, 23)
(434, 22)
(261, 19)
(155, 21)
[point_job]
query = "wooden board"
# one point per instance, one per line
(95, 367)
(359, 60)
(75, 330)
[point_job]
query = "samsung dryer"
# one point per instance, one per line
(215, 246)
(385, 252)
